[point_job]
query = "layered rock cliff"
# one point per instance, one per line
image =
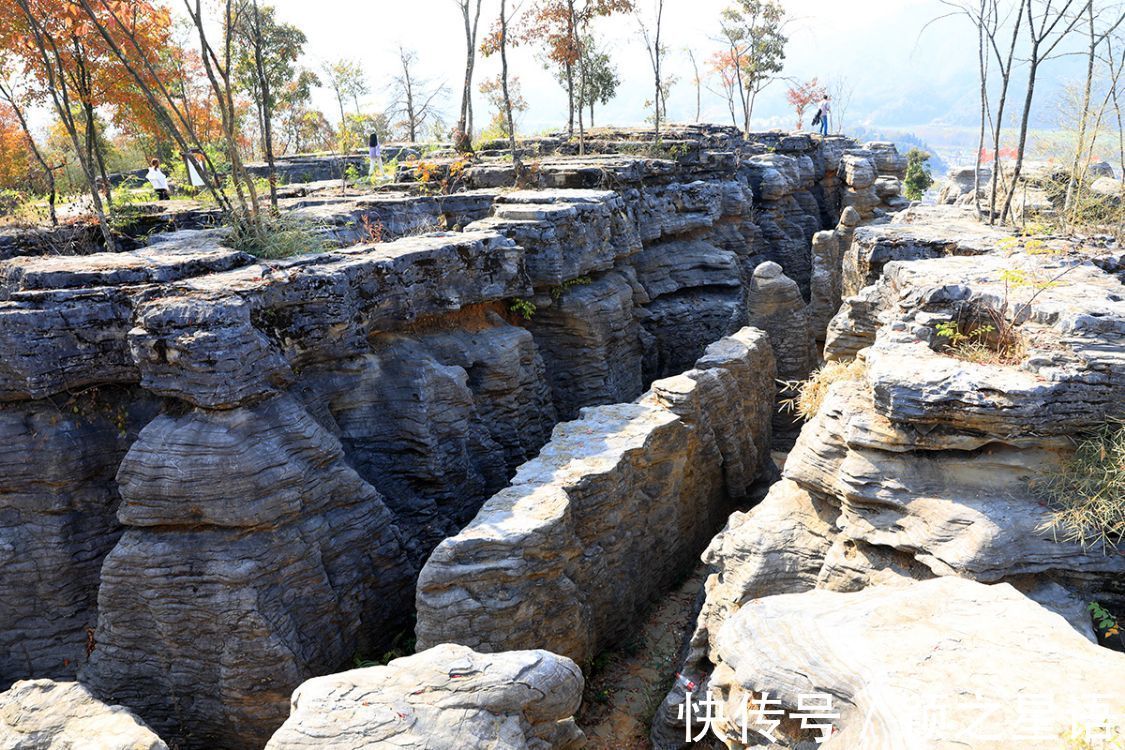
(923, 463)
(240, 466)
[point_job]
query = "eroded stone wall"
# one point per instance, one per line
(239, 467)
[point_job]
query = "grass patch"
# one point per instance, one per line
(810, 393)
(273, 236)
(1087, 495)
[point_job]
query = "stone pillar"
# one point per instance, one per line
(776, 306)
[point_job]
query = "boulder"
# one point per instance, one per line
(946, 662)
(446, 698)
(47, 715)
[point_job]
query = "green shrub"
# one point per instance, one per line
(918, 177)
(522, 307)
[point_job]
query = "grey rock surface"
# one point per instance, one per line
(608, 514)
(246, 534)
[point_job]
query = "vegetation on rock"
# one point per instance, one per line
(1087, 495)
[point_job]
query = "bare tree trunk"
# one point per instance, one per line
(1035, 60)
(1072, 183)
(998, 123)
(655, 55)
(52, 197)
(472, 21)
(266, 106)
(1115, 69)
(698, 85)
(516, 163)
(570, 67)
(982, 59)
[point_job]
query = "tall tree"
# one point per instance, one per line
(561, 27)
(415, 97)
(346, 79)
(1098, 31)
(17, 102)
(994, 45)
(267, 54)
(724, 66)
(498, 42)
(801, 95)
(132, 33)
(470, 14)
(656, 50)
(599, 76)
(58, 48)
(697, 81)
(1047, 26)
(753, 32)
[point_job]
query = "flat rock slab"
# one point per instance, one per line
(171, 260)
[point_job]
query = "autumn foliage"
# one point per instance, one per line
(15, 159)
(801, 95)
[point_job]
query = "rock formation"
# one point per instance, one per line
(241, 465)
(446, 698)
(924, 465)
(608, 515)
(934, 664)
(46, 715)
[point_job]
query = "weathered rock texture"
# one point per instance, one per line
(925, 465)
(446, 698)
(238, 467)
(934, 664)
(608, 515)
(46, 715)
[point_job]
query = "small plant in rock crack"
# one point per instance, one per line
(558, 291)
(1104, 619)
(371, 231)
(525, 308)
(991, 334)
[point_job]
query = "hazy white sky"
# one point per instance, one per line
(874, 44)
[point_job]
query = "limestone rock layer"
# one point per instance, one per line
(222, 475)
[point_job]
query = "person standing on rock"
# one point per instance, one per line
(822, 114)
(159, 180)
(374, 156)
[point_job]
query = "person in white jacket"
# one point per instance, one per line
(159, 180)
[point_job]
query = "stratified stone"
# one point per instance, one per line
(46, 715)
(253, 559)
(591, 342)
(640, 483)
(439, 419)
(446, 698)
(58, 501)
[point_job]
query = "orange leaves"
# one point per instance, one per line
(15, 155)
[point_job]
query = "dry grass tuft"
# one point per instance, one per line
(811, 392)
(1087, 495)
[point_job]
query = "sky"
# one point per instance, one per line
(876, 47)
